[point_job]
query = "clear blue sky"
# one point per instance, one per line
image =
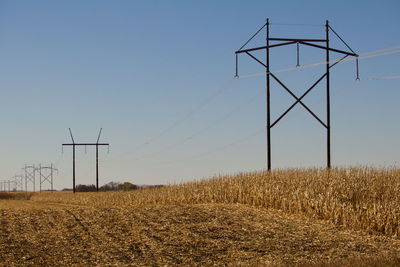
(137, 67)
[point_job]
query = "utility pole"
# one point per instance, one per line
(272, 42)
(328, 100)
(97, 160)
(268, 93)
(30, 176)
(46, 175)
(97, 144)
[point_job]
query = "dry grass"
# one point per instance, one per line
(356, 198)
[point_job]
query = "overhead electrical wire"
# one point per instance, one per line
(249, 136)
(202, 104)
(378, 53)
(382, 50)
(209, 99)
(245, 138)
(202, 130)
(179, 121)
(252, 135)
(293, 24)
(223, 118)
(381, 78)
(219, 148)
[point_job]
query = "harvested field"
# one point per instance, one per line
(176, 235)
(283, 218)
(357, 198)
(16, 195)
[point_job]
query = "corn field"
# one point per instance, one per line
(356, 198)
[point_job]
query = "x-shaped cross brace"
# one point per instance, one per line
(298, 99)
(46, 178)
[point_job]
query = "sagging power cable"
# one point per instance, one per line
(372, 54)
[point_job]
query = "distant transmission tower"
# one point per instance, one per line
(97, 144)
(5, 186)
(19, 182)
(323, 44)
(46, 175)
(30, 176)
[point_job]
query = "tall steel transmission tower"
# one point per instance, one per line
(19, 182)
(46, 174)
(272, 42)
(30, 176)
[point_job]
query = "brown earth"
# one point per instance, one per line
(50, 234)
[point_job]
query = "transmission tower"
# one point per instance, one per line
(19, 182)
(30, 176)
(46, 175)
(97, 144)
(272, 42)
(6, 186)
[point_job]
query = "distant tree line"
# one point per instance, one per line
(111, 186)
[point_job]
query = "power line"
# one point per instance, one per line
(297, 24)
(217, 121)
(201, 104)
(202, 130)
(181, 120)
(382, 50)
(249, 136)
(222, 119)
(381, 78)
(377, 53)
(253, 134)
(223, 147)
